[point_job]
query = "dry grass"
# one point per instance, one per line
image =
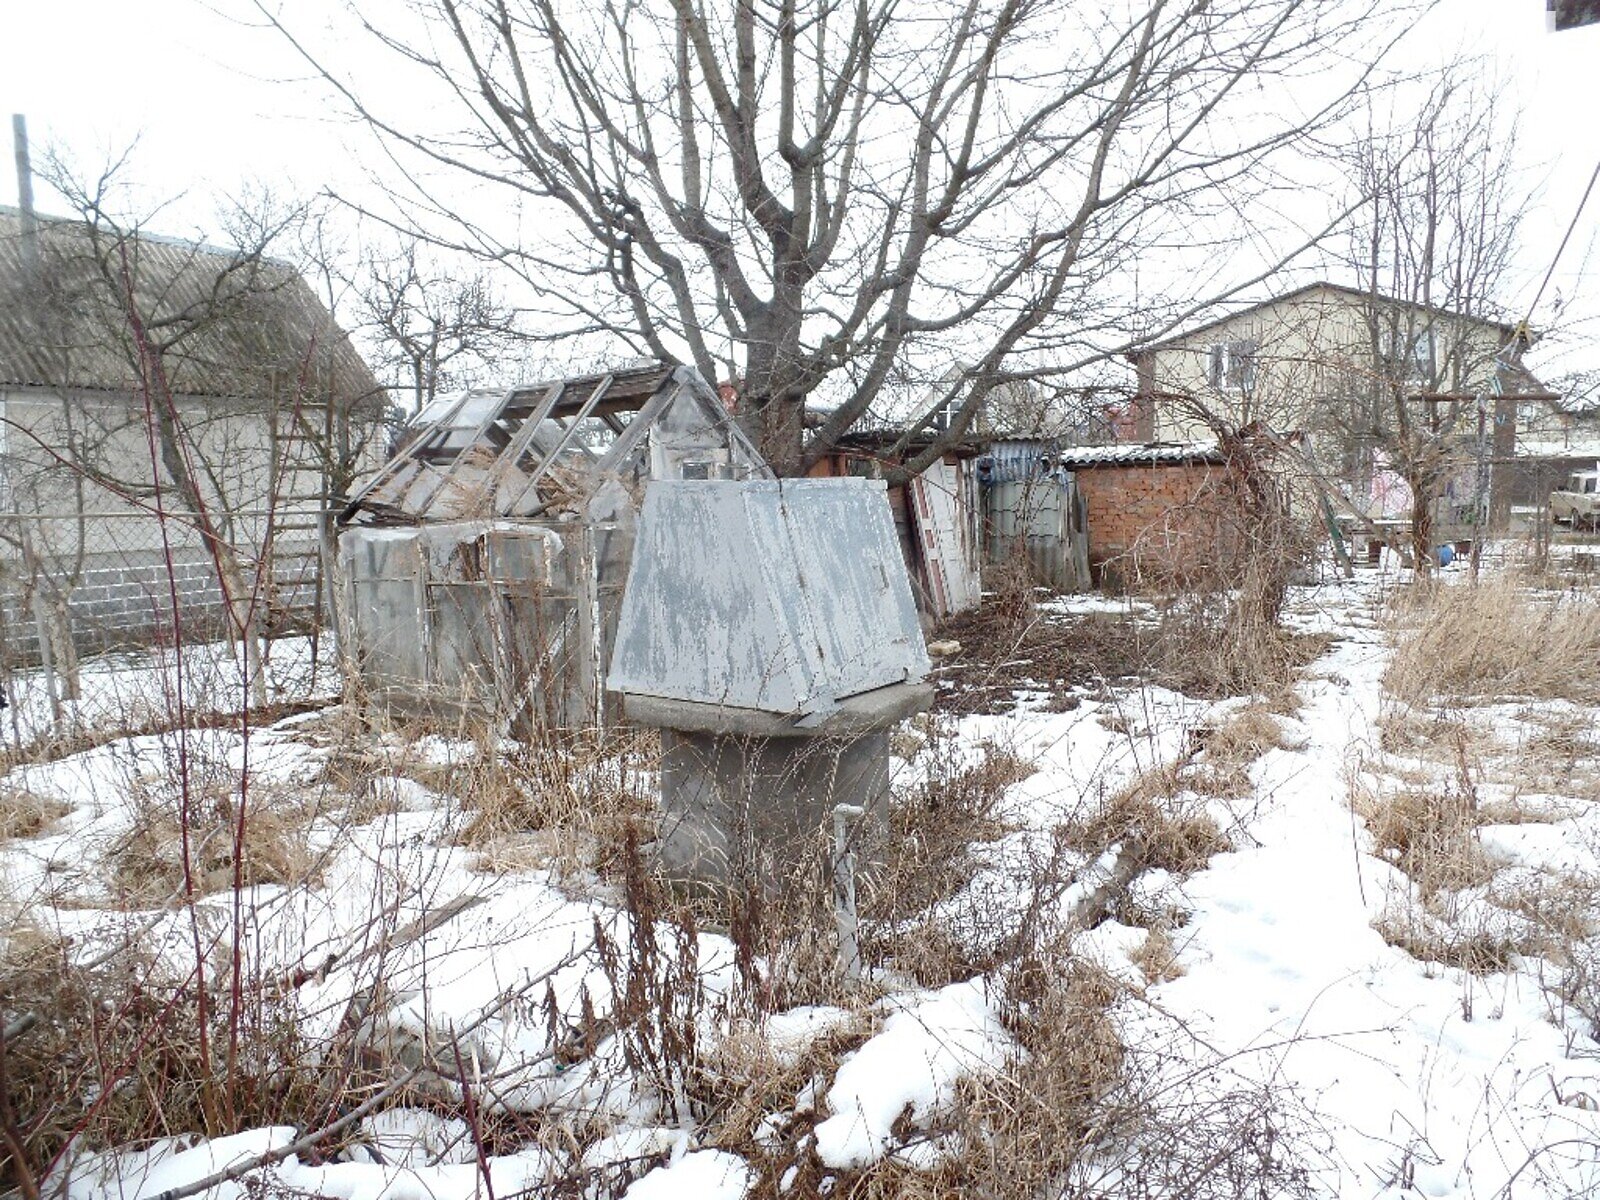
(24, 815)
(1497, 639)
(1478, 952)
(1157, 957)
(1431, 835)
(934, 829)
(1206, 645)
(110, 1056)
(746, 1081)
(1159, 813)
(1244, 737)
(147, 861)
(568, 800)
(1074, 1112)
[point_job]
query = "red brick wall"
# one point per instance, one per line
(1155, 522)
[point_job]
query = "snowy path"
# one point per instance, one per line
(1425, 1080)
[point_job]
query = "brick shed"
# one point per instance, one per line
(1154, 510)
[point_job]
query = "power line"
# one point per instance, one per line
(1539, 295)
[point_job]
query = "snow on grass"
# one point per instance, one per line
(910, 1068)
(1424, 1076)
(1411, 1077)
(140, 687)
(702, 1175)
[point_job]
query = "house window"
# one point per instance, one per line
(1233, 365)
(1412, 354)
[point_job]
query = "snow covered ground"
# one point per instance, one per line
(1397, 1075)
(142, 686)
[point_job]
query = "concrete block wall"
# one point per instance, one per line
(1154, 520)
(124, 599)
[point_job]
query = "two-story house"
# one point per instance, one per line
(1367, 378)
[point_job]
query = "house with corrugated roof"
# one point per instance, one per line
(142, 380)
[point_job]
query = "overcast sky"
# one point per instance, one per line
(215, 103)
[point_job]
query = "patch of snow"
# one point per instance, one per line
(702, 1175)
(911, 1066)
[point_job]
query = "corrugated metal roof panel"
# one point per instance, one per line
(1139, 454)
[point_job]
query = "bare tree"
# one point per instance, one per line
(823, 199)
(431, 329)
(1432, 243)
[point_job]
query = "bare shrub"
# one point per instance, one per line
(1497, 639)
(933, 828)
(1012, 591)
(937, 831)
(657, 996)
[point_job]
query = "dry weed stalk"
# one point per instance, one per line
(1500, 638)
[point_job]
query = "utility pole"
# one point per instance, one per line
(30, 222)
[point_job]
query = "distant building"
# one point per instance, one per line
(258, 393)
(1326, 361)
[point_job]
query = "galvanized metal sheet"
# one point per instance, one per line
(778, 596)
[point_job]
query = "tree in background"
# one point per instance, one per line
(1431, 243)
(431, 329)
(842, 201)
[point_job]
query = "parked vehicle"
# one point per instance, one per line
(1578, 504)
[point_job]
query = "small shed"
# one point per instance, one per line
(1153, 509)
(484, 564)
(1032, 506)
(936, 515)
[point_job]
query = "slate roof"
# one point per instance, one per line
(239, 327)
(1137, 454)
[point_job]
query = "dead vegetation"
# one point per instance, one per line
(1431, 835)
(1449, 766)
(568, 800)
(204, 843)
(1498, 639)
(1157, 820)
(108, 1053)
(1177, 643)
(937, 829)
(24, 815)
